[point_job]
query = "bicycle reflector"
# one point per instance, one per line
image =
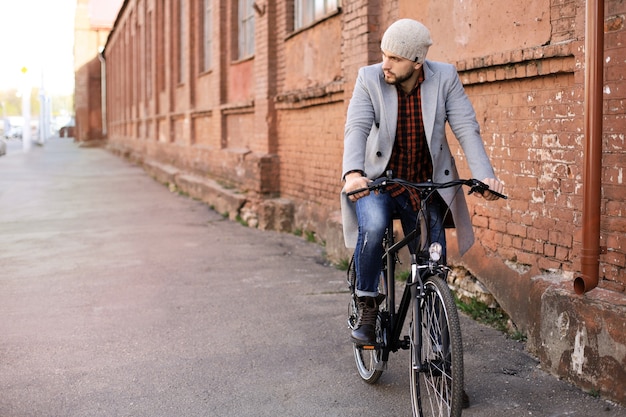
(435, 251)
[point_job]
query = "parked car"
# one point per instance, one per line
(15, 132)
(3, 147)
(67, 131)
(13, 127)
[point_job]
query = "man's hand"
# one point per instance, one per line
(494, 185)
(356, 181)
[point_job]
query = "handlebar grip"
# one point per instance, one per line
(481, 187)
(360, 190)
(497, 194)
(377, 184)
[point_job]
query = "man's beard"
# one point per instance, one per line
(399, 79)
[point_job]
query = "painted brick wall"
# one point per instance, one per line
(310, 139)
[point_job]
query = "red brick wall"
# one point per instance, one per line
(531, 113)
(310, 139)
(531, 127)
(272, 126)
(613, 234)
(529, 102)
(87, 97)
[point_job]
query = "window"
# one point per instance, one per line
(207, 36)
(246, 29)
(148, 60)
(182, 35)
(160, 44)
(308, 11)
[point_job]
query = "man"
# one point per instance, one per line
(396, 121)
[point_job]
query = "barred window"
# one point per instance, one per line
(206, 47)
(308, 11)
(246, 29)
(182, 37)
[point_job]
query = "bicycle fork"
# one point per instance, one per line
(417, 294)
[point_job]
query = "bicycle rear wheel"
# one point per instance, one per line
(369, 362)
(437, 384)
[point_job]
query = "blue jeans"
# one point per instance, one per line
(374, 213)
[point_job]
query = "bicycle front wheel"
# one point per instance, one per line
(437, 370)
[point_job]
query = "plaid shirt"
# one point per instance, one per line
(410, 158)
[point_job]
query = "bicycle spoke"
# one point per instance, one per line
(441, 378)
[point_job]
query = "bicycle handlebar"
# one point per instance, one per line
(474, 184)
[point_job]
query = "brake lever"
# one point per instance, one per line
(481, 187)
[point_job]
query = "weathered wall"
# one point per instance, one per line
(89, 36)
(261, 139)
(88, 102)
(473, 28)
(529, 98)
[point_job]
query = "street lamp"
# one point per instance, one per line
(26, 111)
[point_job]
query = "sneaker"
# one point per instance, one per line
(364, 332)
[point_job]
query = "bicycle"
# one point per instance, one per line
(434, 339)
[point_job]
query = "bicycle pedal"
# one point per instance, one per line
(405, 343)
(369, 346)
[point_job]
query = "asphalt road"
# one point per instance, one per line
(121, 298)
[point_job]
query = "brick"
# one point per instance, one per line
(537, 234)
(549, 250)
(561, 238)
(526, 258)
(516, 229)
(529, 245)
(562, 254)
(497, 224)
(480, 221)
(548, 264)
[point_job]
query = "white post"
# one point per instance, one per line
(43, 112)
(26, 111)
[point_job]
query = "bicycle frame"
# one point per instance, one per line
(414, 288)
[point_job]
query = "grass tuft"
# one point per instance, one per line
(491, 316)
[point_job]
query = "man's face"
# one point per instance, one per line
(397, 69)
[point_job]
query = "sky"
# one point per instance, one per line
(37, 35)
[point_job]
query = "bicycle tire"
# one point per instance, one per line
(369, 362)
(437, 388)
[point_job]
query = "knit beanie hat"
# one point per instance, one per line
(407, 38)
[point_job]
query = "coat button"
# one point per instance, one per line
(447, 172)
(379, 154)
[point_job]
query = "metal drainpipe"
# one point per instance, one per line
(103, 91)
(592, 180)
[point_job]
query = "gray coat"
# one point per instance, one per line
(370, 132)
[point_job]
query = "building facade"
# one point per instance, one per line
(93, 21)
(242, 104)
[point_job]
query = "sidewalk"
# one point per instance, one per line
(120, 298)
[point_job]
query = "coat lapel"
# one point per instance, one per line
(430, 89)
(390, 106)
